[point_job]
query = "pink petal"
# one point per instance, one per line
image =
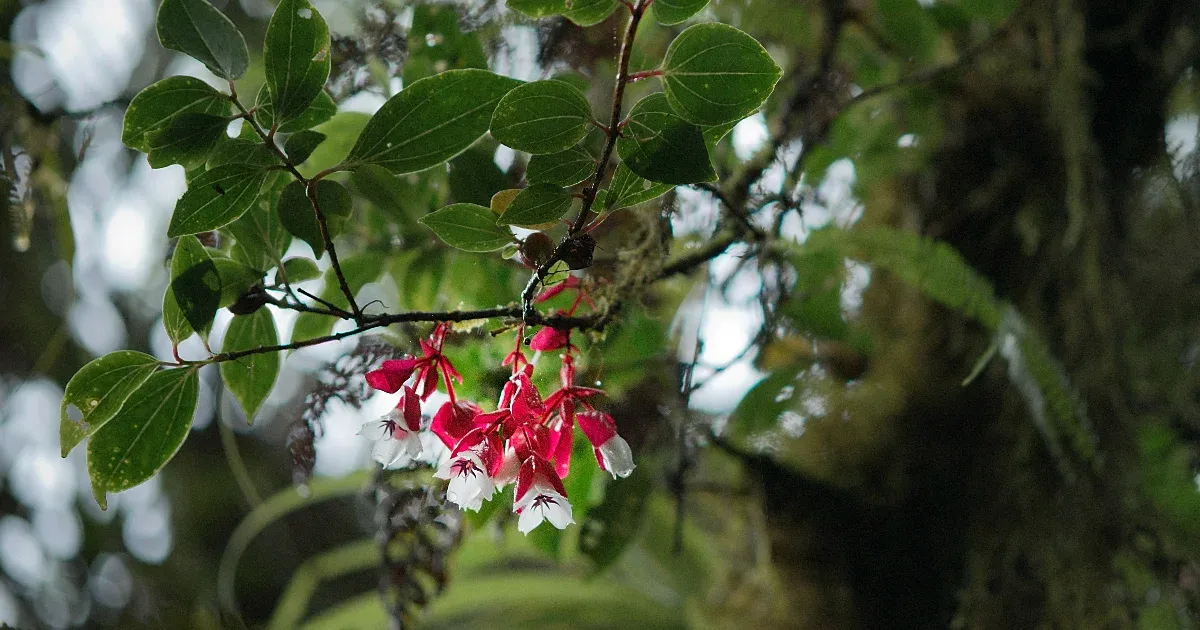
(597, 426)
(550, 339)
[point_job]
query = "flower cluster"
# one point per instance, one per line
(527, 440)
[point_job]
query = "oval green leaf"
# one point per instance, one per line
(242, 151)
(662, 147)
(566, 168)
(236, 278)
(627, 189)
(297, 215)
(259, 238)
(215, 198)
(156, 106)
(714, 74)
(300, 269)
(199, 30)
(301, 144)
(537, 205)
(187, 139)
(97, 392)
(319, 111)
(251, 378)
(295, 57)
(430, 121)
(669, 12)
(581, 12)
(542, 117)
(468, 227)
(145, 434)
(192, 298)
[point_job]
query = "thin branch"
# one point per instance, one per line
(371, 322)
(310, 190)
(636, 11)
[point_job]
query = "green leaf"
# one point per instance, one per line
(145, 434)
(627, 189)
(430, 121)
(662, 147)
(242, 151)
(97, 392)
(295, 57)
(297, 215)
(669, 12)
(199, 30)
(192, 299)
(156, 106)
(187, 139)
(319, 111)
(908, 27)
(401, 198)
(468, 227)
(542, 117)
(341, 132)
(251, 378)
(565, 168)
(216, 198)
(581, 12)
(259, 238)
(714, 74)
(301, 144)
(236, 278)
(537, 205)
(300, 269)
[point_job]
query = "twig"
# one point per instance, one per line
(310, 190)
(636, 11)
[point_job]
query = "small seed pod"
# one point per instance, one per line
(577, 252)
(537, 249)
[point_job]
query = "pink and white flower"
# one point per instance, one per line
(470, 483)
(540, 496)
(612, 451)
(394, 434)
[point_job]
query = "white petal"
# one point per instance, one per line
(530, 519)
(618, 458)
(374, 430)
(558, 513)
(386, 451)
(444, 471)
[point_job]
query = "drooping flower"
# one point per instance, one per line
(540, 496)
(612, 451)
(470, 483)
(431, 368)
(395, 433)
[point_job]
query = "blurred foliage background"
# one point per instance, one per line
(942, 371)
